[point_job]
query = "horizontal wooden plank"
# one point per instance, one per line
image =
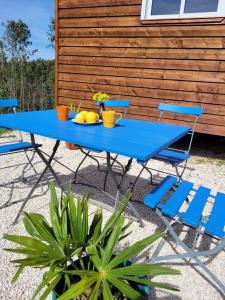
(140, 32)
(152, 112)
(145, 73)
(72, 96)
(202, 54)
(216, 88)
(91, 3)
(200, 65)
(127, 92)
(145, 42)
(94, 12)
(98, 22)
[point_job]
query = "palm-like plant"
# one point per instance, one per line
(82, 259)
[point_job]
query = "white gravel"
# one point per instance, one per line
(193, 285)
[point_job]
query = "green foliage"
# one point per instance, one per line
(38, 89)
(30, 81)
(81, 256)
(51, 32)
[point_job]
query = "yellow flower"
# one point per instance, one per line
(100, 97)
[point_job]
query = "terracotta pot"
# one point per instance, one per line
(62, 112)
(72, 146)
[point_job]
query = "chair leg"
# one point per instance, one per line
(180, 175)
(124, 170)
(30, 162)
(143, 168)
(78, 168)
(189, 253)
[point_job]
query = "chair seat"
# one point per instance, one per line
(16, 147)
(172, 156)
(193, 214)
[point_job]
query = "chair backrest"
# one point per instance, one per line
(12, 104)
(178, 109)
(9, 103)
(194, 111)
(117, 103)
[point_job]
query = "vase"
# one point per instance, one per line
(101, 109)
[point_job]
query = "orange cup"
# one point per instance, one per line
(110, 118)
(62, 112)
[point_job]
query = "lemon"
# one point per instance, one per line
(91, 117)
(80, 118)
(84, 112)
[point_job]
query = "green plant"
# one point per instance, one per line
(82, 259)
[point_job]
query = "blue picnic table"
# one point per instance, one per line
(135, 139)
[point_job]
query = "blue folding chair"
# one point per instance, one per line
(123, 104)
(17, 145)
(168, 199)
(177, 157)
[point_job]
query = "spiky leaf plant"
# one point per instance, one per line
(81, 258)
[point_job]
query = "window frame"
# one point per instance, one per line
(147, 6)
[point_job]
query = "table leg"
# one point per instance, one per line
(119, 190)
(48, 166)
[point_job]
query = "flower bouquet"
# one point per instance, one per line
(100, 98)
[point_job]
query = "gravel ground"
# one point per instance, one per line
(206, 167)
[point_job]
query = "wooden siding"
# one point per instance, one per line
(101, 45)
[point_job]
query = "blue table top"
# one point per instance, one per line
(131, 138)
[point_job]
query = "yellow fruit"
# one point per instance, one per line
(84, 112)
(80, 118)
(91, 117)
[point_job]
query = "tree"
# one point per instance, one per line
(31, 81)
(17, 42)
(3, 71)
(51, 32)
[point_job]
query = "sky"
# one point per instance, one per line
(36, 14)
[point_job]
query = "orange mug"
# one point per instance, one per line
(109, 118)
(62, 112)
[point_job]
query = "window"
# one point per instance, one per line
(172, 9)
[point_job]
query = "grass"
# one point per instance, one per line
(215, 161)
(3, 133)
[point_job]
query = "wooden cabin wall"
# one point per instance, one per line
(101, 45)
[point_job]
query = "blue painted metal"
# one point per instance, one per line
(174, 203)
(193, 214)
(116, 103)
(216, 222)
(131, 138)
(6, 148)
(154, 198)
(8, 103)
(178, 109)
(172, 156)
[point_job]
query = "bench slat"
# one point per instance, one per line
(160, 191)
(216, 222)
(194, 212)
(173, 204)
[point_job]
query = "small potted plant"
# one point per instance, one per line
(100, 98)
(82, 256)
